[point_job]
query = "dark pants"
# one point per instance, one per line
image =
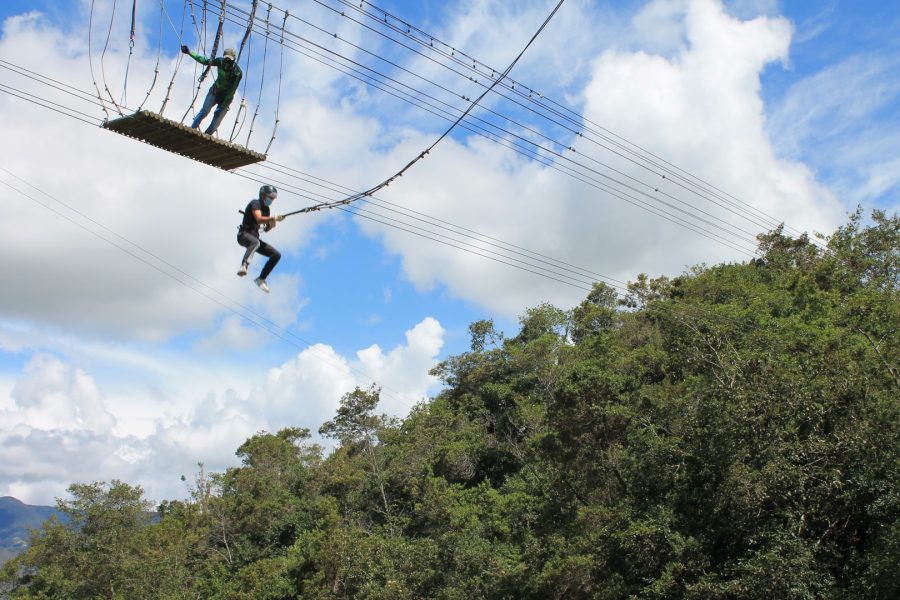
(254, 244)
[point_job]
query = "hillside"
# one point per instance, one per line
(15, 519)
(733, 432)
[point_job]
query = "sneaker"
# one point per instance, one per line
(262, 284)
(243, 270)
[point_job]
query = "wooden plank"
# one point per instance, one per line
(180, 139)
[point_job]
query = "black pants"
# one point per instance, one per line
(254, 244)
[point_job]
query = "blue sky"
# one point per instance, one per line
(114, 367)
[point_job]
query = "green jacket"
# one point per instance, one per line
(227, 80)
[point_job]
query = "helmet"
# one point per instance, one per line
(266, 190)
(229, 52)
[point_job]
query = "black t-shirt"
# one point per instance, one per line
(249, 223)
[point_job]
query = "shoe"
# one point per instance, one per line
(262, 284)
(243, 270)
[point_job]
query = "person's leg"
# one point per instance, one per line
(207, 106)
(251, 243)
(274, 256)
(217, 119)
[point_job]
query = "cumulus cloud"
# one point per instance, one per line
(698, 106)
(57, 426)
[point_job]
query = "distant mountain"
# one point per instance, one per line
(15, 519)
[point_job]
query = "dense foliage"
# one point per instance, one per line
(730, 433)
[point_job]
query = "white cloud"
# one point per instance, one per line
(699, 107)
(58, 427)
(53, 396)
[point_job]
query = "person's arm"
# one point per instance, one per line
(198, 57)
(267, 221)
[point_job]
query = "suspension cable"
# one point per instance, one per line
(280, 74)
(262, 77)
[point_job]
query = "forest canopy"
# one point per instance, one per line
(733, 432)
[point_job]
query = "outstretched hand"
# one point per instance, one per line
(279, 218)
(185, 49)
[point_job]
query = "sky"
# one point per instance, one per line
(653, 136)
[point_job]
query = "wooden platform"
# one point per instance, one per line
(178, 138)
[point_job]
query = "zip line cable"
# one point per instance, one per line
(50, 82)
(223, 4)
(531, 154)
(422, 155)
(525, 140)
(231, 11)
(242, 311)
(471, 245)
(345, 190)
(356, 210)
(539, 259)
(584, 283)
(673, 170)
(750, 240)
(61, 109)
(589, 276)
(657, 304)
(577, 132)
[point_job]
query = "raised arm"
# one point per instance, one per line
(198, 57)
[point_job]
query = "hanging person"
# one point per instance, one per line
(258, 213)
(223, 88)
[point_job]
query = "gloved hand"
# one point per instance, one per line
(279, 218)
(185, 49)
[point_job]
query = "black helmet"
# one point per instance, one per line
(266, 190)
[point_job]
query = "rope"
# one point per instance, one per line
(239, 120)
(217, 40)
(535, 99)
(215, 48)
(180, 34)
(112, 18)
(91, 61)
(247, 32)
(280, 73)
(130, 52)
(262, 76)
(201, 38)
(158, 55)
(235, 129)
(424, 153)
(535, 155)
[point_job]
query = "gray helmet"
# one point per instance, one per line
(266, 190)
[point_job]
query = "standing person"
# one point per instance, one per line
(258, 213)
(223, 88)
